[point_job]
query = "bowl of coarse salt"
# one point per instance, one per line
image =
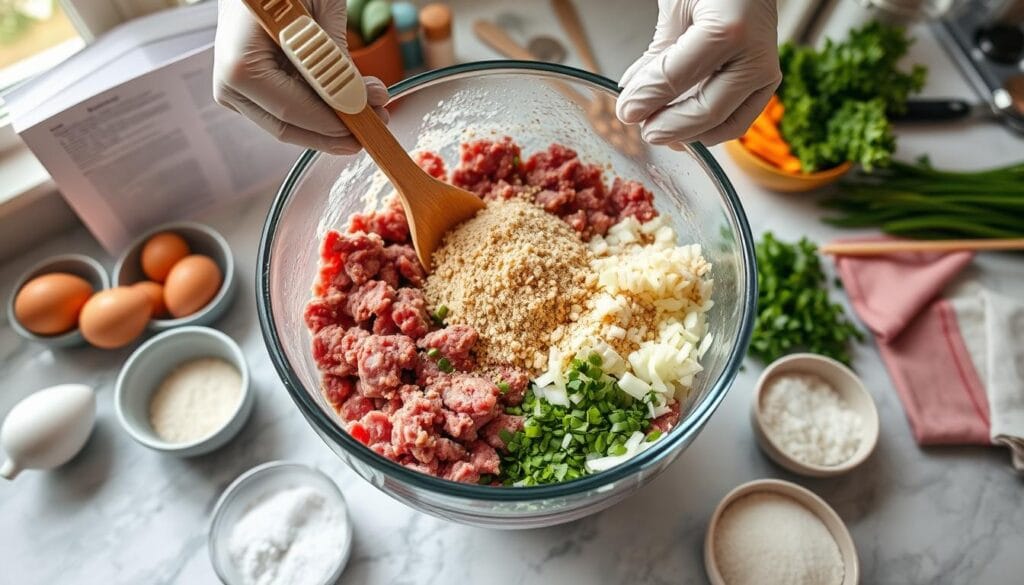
(280, 522)
(813, 416)
(184, 392)
(773, 532)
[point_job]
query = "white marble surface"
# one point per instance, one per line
(120, 513)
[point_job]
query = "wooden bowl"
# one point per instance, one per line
(382, 58)
(775, 179)
(804, 497)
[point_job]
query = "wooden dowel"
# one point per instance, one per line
(896, 246)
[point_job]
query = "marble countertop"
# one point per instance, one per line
(122, 514)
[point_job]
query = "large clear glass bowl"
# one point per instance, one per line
(529, 102)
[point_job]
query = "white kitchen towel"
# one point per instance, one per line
(992, 326)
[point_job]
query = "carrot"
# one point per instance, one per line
(774, 152)
(774, 109)
(767, 128)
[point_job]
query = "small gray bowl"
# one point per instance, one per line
(251, 487)
(152, 362)
(201, 239)
(79, 265)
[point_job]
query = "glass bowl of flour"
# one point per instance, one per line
(280, 522)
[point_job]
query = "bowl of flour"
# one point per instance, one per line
(280, 522)
(813, 416)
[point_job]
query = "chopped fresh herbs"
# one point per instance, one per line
(837, 99)
(433, 353)
(503, 386)
(556, 440)
(794, 312)
(445, 366)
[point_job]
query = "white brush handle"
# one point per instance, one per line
(327, 69)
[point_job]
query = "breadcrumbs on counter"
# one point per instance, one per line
(518, 275)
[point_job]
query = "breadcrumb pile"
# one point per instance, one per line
(518, 275)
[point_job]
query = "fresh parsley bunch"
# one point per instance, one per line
(837, 99)
(794, 311)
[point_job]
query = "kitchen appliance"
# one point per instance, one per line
(986, 40)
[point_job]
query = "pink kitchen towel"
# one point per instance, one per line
(897, 298)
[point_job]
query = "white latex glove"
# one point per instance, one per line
(710, 70)
(253, 77)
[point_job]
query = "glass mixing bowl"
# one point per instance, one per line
(534, 104)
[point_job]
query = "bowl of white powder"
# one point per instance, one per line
(813, 416)
(280, 522)
(773, 532)
(184, 392)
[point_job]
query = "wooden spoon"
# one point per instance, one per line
(621, 135)
(431, 206)
(600, 114)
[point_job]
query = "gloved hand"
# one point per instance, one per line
(253, 77)
(711, 68)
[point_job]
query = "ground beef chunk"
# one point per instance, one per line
(327, 310)
(518, 380)
(389, 223)
(432, 164)
(409, 312)
(484, 458)
(469, 394)
(369, 299)
(381, 360)
(385, 325)
(430, 468)
(485, 163)
(413, 429)
(667, 421)
(427, 371)
(462, 471)
(337, 389)
(401, 267)
(454, 342)
(329, 349)
(632, 199)
(331, 273)
(355, 407)
(384, 450)
(362, 254)
(378, 427)
(459, 425)
(449, 450)
(492, 432)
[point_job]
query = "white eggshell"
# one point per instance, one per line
(47, 428)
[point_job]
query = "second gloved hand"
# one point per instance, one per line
(710, 69)
(253, 77)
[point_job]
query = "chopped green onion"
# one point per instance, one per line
(445, 366)
(653, 435)
(433, 353)
(504, 387)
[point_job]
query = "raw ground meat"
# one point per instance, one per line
(372, 327)
(389, 223)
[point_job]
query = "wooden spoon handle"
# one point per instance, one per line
(573, 26)
(384, 149)
(498, 39)
(895, 246)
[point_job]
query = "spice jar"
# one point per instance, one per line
(436, 22)
(407, 22)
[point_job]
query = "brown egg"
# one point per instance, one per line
(192, 283)
(155, 292)
(49, 304)
(161, 253)
(115, 317)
